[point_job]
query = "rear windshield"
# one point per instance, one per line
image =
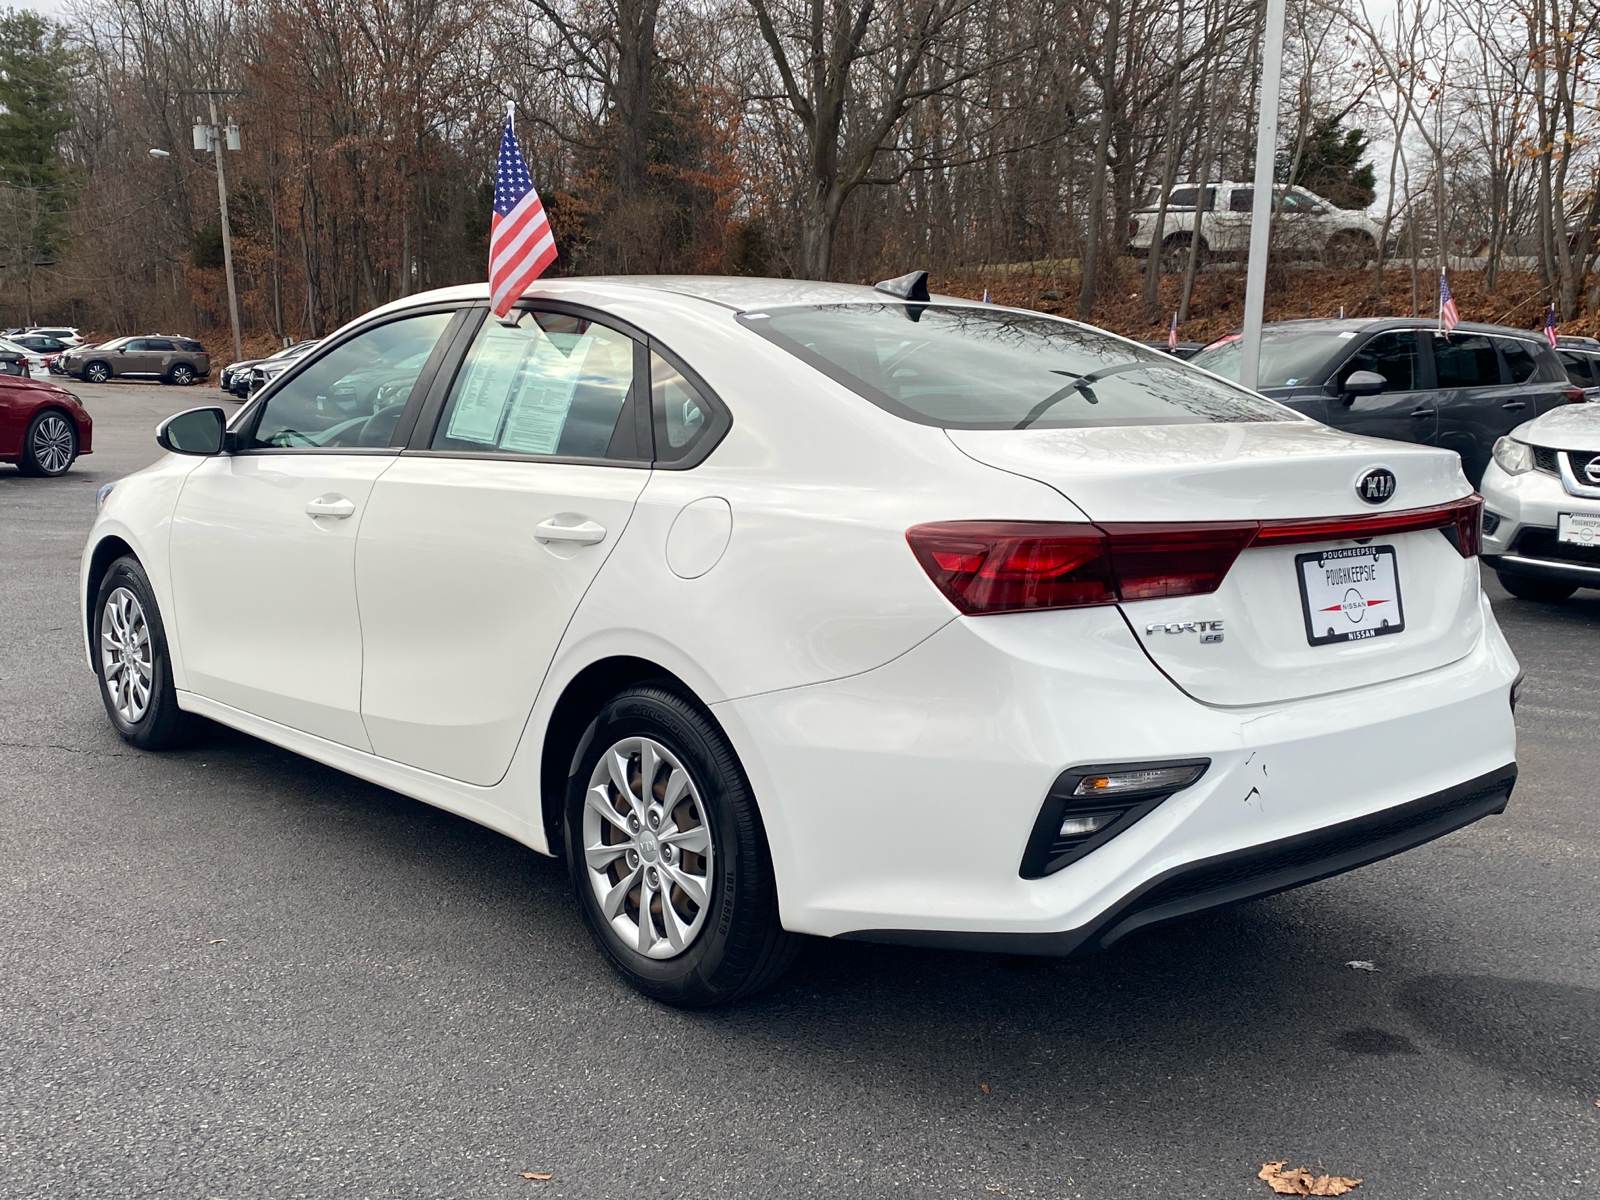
(1288, 357)
(965, 367)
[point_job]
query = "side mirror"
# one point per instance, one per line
(1364, 383)
(1319, 210)
(199, 431)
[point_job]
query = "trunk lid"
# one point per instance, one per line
(1263, 472)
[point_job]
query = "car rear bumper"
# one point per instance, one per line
(899, 802)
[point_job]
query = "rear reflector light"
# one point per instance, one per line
(1020, 566)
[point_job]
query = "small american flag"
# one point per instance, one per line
(521, 244)
(1449, 318)
(1550, 325)
(1172, 333)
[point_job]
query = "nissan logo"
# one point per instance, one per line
(1376, 486)
(1591, 470)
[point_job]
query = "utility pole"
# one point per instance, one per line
(1255, 288)
(216, 136)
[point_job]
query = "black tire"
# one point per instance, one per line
(1524, 588)
(740, 947)
(50, 444)
(162, 725)
(1349, 250)
(96, 372)
(1175, 254)
(181, 375)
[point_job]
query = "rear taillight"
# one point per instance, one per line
(1574, 395)
(1019, 566)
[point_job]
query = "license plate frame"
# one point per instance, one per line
(1384, 565)
(1572, 522)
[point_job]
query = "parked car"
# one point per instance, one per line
(1305, 226)
(15, 360)
(42, 350)
(176, 360)
(235, 377)
(1399, 378)
(789, 608)
(43, 428)
(1580, 356)
(61, 333)
(1541, 493)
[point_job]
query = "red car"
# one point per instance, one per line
(43, 428)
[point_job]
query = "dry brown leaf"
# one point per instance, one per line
(533, 1175)
(1299, 1181)
(985, 1088)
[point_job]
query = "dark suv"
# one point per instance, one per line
(172, 359)
(1400, 378)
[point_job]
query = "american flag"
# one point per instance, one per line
(1449, 318)
(1172, 333)
(1550, 325)
(521, 245)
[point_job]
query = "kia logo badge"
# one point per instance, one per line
(1592, 469)
(1376, 486)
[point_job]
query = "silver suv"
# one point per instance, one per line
(1305, 226)
(171, 359)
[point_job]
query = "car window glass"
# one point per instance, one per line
(1393, 355)
(551, 384)
(1242, 200)
(1289, 203)
(134, 344)
(1468, 361)
(682, 414)
(1185, 197)
(1519, 357)
(354, 394)
(158, 344)
(1577, 367)
(970, 367)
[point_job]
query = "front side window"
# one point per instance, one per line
(970, 367)
(1392, 355)
(1466, 361)
(551, 384)
(354, 394)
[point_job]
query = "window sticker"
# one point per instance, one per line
(491, 374)
(544, 388)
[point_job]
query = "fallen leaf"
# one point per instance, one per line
(985, 1088)
(1301, 1182)
(217, 942)
(533, 1175)
(1361, 964)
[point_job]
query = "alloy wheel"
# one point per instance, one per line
(52, 444)
(182, 376)
(126, 662)
(98, 373)
(647, 848)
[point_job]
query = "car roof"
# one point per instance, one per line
(1378, 324)
(731, 292)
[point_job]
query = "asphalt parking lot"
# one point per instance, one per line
(232, 972)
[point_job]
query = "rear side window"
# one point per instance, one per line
(1464, 362)
(1242, 200)
(1185, 198)
(971, 367)
(1393, 355)
(192, 347)
(551, 385)
(1520, 359)
(157, 344)
(1576, 367)
(683, 416)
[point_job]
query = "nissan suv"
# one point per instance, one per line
(171, 359)
(1401, 378)
(1304, 226)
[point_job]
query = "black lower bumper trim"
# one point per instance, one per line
(1581, 574)
(1246, 874)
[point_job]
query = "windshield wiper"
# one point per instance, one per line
(1079, 384)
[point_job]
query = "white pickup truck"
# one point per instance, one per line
(1305, 227)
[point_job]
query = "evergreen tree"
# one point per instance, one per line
(35, 93)
(1332, 166)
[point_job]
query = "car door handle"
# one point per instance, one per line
(585, 533)
(1513, 405)
(331, 506)
(1423, 412)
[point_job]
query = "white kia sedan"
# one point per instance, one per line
(784, 608)
(1541, 494)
